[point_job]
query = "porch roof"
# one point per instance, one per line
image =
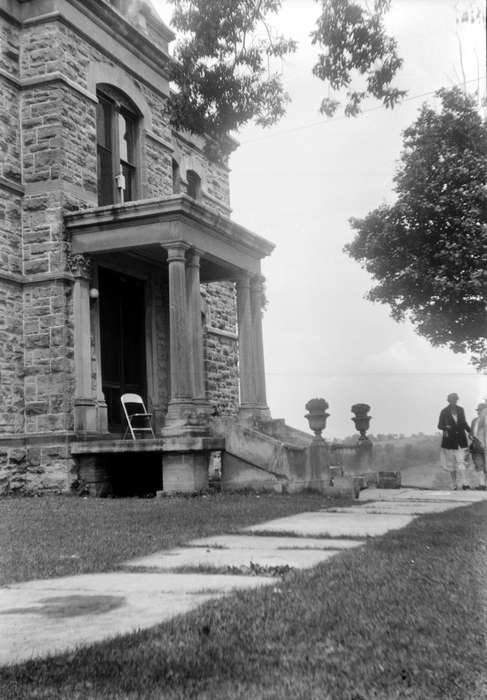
(146, 226)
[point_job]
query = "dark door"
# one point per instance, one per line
(122, 328)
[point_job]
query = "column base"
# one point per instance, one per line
(85, 415)
(249, 413)
(186, 418)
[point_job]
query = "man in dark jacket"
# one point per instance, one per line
(454, 442)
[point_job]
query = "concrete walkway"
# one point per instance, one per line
(39, 618)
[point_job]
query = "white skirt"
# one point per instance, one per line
(454, 460)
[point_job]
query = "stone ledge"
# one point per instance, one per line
(92, 447)
(224, 334)
(189, 444)
(14, 187)
(194, 444)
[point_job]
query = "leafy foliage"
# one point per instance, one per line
(223, 65)
(224, 69)
(355, 43)
(428, 251)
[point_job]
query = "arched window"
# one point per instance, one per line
(176, 177)
(194, 184)
(117, 137)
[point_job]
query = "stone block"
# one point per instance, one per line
(185, 472)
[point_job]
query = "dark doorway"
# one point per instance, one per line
(122, 328)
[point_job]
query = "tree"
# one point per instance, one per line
(225, 72)
(427, 252)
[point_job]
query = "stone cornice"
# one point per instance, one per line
(36, 81)
(11, 277)
(119, 30)
(15, 187)
(35, 189)
(11, 12)
(14, 79)
(56, 77)
(196, 143)
(27, 439)
(38, 278)
(151, 135)
(170, 209)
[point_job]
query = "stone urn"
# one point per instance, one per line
(317, 417)
(361, 419)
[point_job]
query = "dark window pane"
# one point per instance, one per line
(128, 172)
(105, 177)
(103, 124)
(176, 178)
(194, 184)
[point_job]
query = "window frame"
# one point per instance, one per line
(116, 106)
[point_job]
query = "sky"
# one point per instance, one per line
(298, 184)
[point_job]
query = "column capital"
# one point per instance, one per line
(79, 265)
(176, 251)
(243, 280)
(194, 257)
(257, 280)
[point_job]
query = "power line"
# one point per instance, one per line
(330, 120)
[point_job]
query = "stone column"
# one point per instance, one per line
(245, 349)
(85, 418)
(185, 458)
(257, 301)
(181, 374)
(195, 325)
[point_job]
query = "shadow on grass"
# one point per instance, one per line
(401, 617)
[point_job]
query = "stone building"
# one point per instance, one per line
(120, 268)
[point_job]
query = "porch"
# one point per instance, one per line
(176, 465)
(184, 245)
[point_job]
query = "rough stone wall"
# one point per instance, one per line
(158, 174)
(48, 357)
(78, 142)
(214, 176)
(11, 359)
(10, 166)
(9, 131)
(221, 346)
(10, 234)
(9, 47)
(35, 468)
(218, 187)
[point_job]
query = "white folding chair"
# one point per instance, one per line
(138, 420)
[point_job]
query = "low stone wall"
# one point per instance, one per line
(33, 469)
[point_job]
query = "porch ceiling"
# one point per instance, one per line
(143, 227)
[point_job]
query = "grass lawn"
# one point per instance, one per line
(60, 536)
(402, 617)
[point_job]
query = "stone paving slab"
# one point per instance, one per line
(256, 542)
(44, 617)
(326, 524)
(195, 557)
(399, 507)
(460, 497)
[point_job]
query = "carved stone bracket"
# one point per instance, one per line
(258, 288)
(79, 265)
